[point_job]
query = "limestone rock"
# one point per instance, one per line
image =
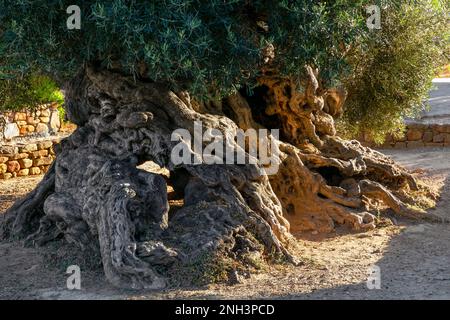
(19, 156)
(44, 145)
(13, 166)
(41, 128)
(6, 175)
(8, 149)
(39, 153)
(441, 128)
(20, 116)
(32, 121)
(45, 113)
(11, 130)
(414, 134)
(23, 172)
(25, 163)
(28, 148)
(35, 171)
(55, 122)
(23, 130)
(42, 161)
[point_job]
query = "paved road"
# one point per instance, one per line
(439, 102)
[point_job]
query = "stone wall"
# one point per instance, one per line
(41, 122)
(417, 135)
(23, 159)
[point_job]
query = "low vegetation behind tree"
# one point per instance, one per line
(392, 68)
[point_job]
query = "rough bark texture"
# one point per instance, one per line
(95, 196)
(324, 180)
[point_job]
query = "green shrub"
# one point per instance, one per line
(393, 68)
(29, 92)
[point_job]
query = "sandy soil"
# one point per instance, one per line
(413, 259)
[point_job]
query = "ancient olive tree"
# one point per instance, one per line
(136, 72)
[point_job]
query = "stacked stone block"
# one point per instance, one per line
(417, 135)
(42, 121)
(26, 159)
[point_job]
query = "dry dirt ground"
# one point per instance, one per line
(413, 257)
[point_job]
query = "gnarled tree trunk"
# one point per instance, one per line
(95, 196)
